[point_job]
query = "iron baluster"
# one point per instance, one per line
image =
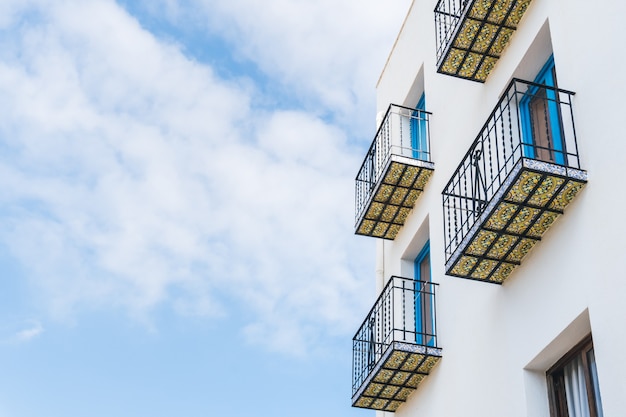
(478, 186)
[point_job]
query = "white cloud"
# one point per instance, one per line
(35, 329)
(21, 331)
(327, 53)
(132, 176)
(325, 46)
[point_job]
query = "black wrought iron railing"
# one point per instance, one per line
(531, 121)
(403, 132)
(448, 16)
(404, 312)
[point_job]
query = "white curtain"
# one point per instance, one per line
(576, 388)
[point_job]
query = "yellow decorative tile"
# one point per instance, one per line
(453, 61)
(518, 11)
(567, 194)
(400, 378)
(364, 402)
(483, 269)
(481, 242)
(502, 246)
(428, 364)
(402, 214)
(373, 390)
(379, 404)
(502, 273)
(412, 198)
(375, 210)
(499, 11)
(395, 360)
(389, 213)
(393, 406)
(404, 394)
(466, 35)
(501, 215)
(502, 40)
(523, 219)
(470, 65)
(389, 391)
(398, 196)
(480, 8)
(366, 227)
(523, 186)
(384, 193)
(392, 232)
(380, 229)
(412, 362)
(485, 68)
(521, 250)
(393, 173)
(464, 265)
(543, 223)
(484, 38)
(415, 380)
(409, 176)
(546, 190)
(384, 375)
(425, 175)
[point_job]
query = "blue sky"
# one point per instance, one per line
(176, 204)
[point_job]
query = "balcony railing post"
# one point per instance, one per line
(404, 326)
(571, 112)
(434, 303)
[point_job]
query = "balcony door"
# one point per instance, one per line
(424, 302)
(542, 132)
(419, 139)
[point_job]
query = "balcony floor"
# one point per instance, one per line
(402, 183)
(481, 37)
(527, 204)
(396, 375)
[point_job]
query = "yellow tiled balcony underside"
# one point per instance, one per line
(396, 376)
(393, 198)
(481, 37)
(510, 228)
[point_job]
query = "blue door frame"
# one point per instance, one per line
(424, 299)
(419, 138)
(552, 118)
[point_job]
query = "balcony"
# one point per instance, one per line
(472, 34)
(516, 179)
(394, 172)
(396, 346)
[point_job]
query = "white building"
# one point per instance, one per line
(493, 190)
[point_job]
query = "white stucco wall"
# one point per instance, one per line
(498, 341)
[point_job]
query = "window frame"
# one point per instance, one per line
(555, 381)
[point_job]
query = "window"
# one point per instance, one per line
(424, 299)
(542, 132)
(573, 384)
(419, 138)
